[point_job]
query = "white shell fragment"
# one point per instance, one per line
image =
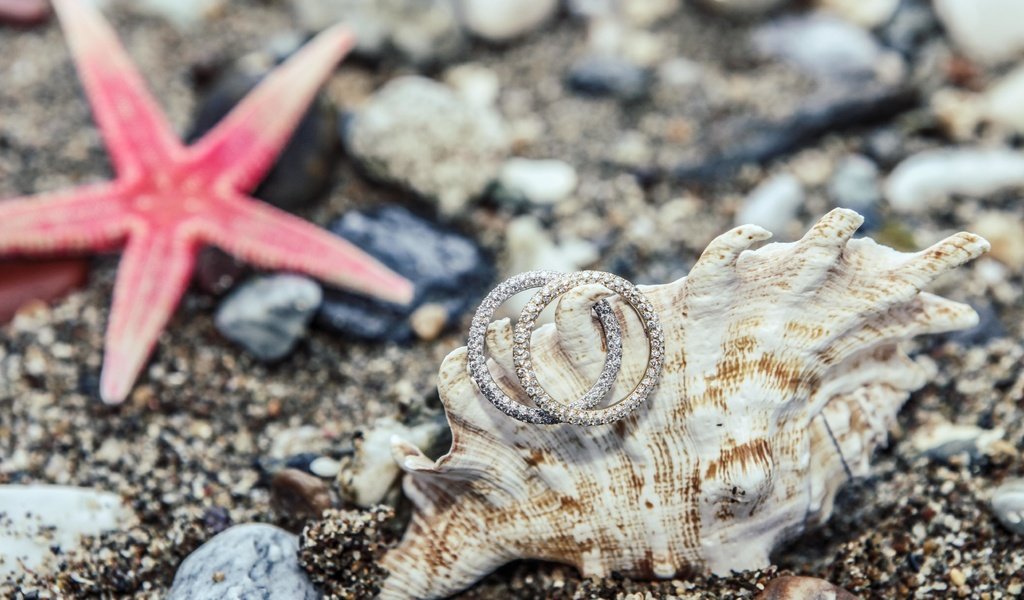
(783, 371)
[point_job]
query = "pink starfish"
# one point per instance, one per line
(168, 199)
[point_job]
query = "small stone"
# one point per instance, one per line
(475, 83)
(855, 184)
(183, 14)
(428, 321)
(1005, 232)
(537, 181)
(446, 268)
(531, 248)
(742, 8)
(299, 494)
(1008, 505)
(608, 76)
(504, 20)
(36, 518)
(928, 178)
(773, 204)
(942, 440)
(803, 588)
(865, 13)
(24, 12)
(217, 271)
(254, 561)
(26, 280)
(324, 466)
(990, 31)
(957, 577)
(913, 25)
(269, 315)
(419, 134)
(1003, 101)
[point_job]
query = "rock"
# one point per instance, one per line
(25, 280)
(428, 321)
(36, 518)
(419, 134)
(803, 588)
(268, 315)
(303, 170)
(299, 494)
(608, 76)
(217, 271)
(865, 13)
(772, 204)
(537, 181)
(742, 8)
(855, 184)
(529, 247)
(912, 26)
(183, 14)
(24, 12)
(645, 13)
(421, 32)
(989, 327)
(1005, 232)
(1002, 102)
(1008, 505)
(924, 180)
(371, 471)
(824, 45)
(253, 561)
(475, 83)
(989, 31)
(342, 551)
(446, 268)
(324, 466)
(942, 440)
(504, 20)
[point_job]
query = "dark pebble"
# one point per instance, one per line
(217, 271)
(299, 494)
(445, 267)
(605, 76)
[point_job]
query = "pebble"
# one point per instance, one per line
(369, 474)
(608, 76)
(855, 184)
(537, 181)
(36, 518)
(924, 180)
(475, 83)
(504, 20)
(773, 204)
(217, 271)
(299, 494)
(942, 440)
(183, 14)
(269, 315)
(446, 268)
(421, 135)
(742, 8)
(428, 321)
(912, 26)
(803, 588)
(1004, 99)
(529, 247)
(1008, 505)
(24, 12)
(1005, 232)
(989, 31)
(253, 561)
(421, 32)
(324, 466)
(303, 170)
(24, 281)
(823, 45)
(865, 13)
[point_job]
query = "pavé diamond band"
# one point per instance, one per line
(548, 410)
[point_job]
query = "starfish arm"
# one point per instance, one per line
(239, 151)
(273, 239)
(89, 217)
(136, 132)
(153, 275)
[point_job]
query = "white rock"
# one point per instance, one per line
(927, 178)
(866, 13)
(1008, 504)
(475, 83)
(539, 181)
(30, 511)
(1004, 101)
(182, 13)
(941, 439)
(773, 204)
(855, 184)
(644, 13)
(989, 31)
(368, 475)
(503, 20)
(1006, 234)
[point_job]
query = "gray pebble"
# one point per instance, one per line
(609, 76)
(855, 184)
(254, 561)
(1008, 505)
(268, 315)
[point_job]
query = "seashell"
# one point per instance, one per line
(783, 371)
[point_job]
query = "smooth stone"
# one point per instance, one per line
(24, 12)
(421, 32)
(608, 76)
(803, 588)
(1004, 100)
(537, 181)
(324, 466)
(823, 45)
(856, 184)
(504, 20)
(1008, 505)
(299, 494)
(25, 280)
(989, 327)
(912, 26)
(421, 135)
(742, 8)
(989, 31)
(428, 321)
(1006, 234)
(924, 180)
(475, 83)
(254, 561)
(942, 440)
(302, 172)
(183, 14)
(36, 518)
(217, 271)
(772, 204)
(446, 268)
(269, 315)
(865, 13)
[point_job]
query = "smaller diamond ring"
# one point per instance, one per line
(478, 362)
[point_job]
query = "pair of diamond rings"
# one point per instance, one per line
(547, 410)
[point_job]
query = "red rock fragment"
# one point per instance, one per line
(22, 281)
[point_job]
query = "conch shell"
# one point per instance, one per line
(783, 373)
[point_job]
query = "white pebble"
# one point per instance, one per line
(924, 180)
(540, 181)
(990, 31)
(773, 204)
(503, 20)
